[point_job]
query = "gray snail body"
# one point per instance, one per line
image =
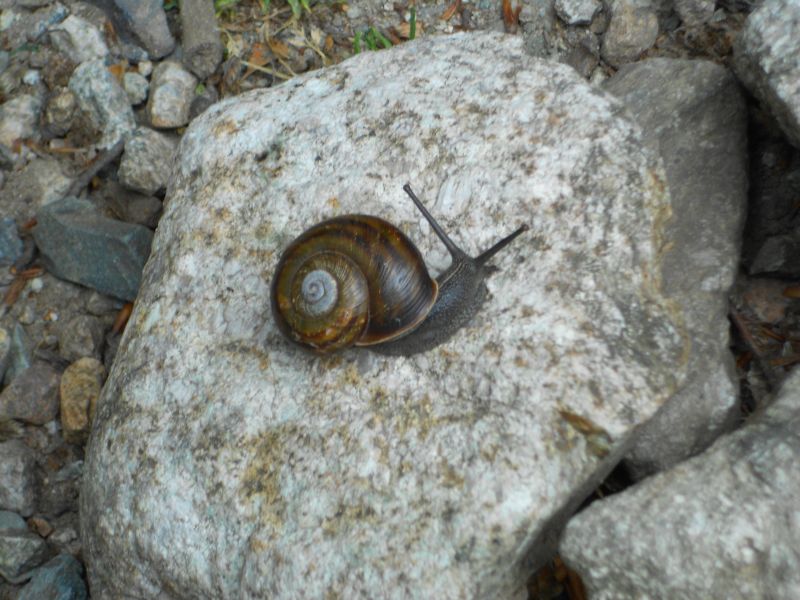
(358, 280)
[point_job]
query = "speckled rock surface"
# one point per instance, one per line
(767, 60)
(735, 506)
(703, 145)
(225, 462)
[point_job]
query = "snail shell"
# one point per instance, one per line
(358, 280)
(351, 280)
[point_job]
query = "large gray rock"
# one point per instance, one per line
(721, 525)
(704, 147)
(767, 60)
(444, 475)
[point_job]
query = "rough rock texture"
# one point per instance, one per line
(79, 39)
(172, 89)
(576, 12)
(59, 579)
(18, 118)
(20, 550)
(81, 245)
(445, 475)
(147, 162)
(147, 21)
(17, 478)
(80, 389)
(767, 60)
(735, 506)
(104, 100)
(703, 145)
(632, 30)
(32, 396)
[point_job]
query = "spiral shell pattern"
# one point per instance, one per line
(350, 280)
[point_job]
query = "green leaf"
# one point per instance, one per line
(296, 8)
(412, 29)
(199, 89)
(264, 6)
(357, 43)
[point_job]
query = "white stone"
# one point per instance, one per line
(172, 89)
(251, 469)
(724, 524)
(103, 99)
(79, 39)
(19, 118)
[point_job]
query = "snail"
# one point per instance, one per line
(359, 280)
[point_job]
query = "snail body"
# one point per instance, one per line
(359, 280)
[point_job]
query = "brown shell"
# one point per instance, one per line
(401, 293)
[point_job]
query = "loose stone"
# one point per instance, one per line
(19, 119)
(17, 477)
(59, 579)
(103, 99)
(103, 254)
(576, 12)
(632, 30)
(172, 89)
(20, 550)
(79, 39)
(80, 389)
(148, 22)
(60, 112)
(136, 86)
(147, 161)
(81, 336)
(10, 242)
(767, 60)
(32, 396)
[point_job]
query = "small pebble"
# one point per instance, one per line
(80, 336)
(80, 389)
(136, 86)
(32, 77)
(145, 68)
(172, 89)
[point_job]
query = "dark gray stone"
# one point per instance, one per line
(10, 242)
(17, 477)
(130, 206)
(81, 336)
(148, 23)
(20, 353)
(32, 396)
(81, 245)
(703, 145)
(58, 579)
(20, 552)
(779, 255)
